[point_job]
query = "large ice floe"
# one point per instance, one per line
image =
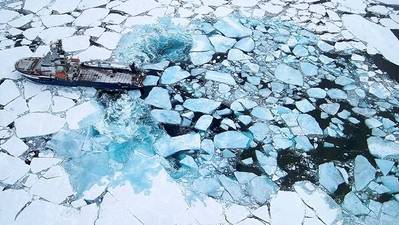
(244, 118)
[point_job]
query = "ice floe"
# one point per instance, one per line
(45, 123)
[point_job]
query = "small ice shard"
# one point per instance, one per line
(375, 35)
(316, 93)
(309, 125)
(82, 115)
(383, 149)
(204, 122)
(282, 213)
(262, 188)
(236, 213)
(384, 165)
(220, 77)
(8, 92)
(246, 44)
(75, 43)
(364, 172)
(166, 116)
(11, 169)
(45, 124)
(159, 97)
(94, 52)
(330, 108)
(201, 44)
(237, 55)
(288, 75)
(353, 204)
(221, 43)
(91, 17)
(14, 146)
(304, 106)
(231, 139)
(326, 209)
(231, 27)
(173, 75)
(330, 177)
(204, 105)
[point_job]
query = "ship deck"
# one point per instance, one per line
(108, 76)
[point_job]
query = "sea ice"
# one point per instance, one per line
(206, 106)
(40, 102)
(8, 92)
(382, 149)
(8, 59)
(220, 77)
(262, 188)
(56, 20)
(7, 15)
(136, 7)
(55, 189)
(14, 146)
(109, 40)
(62, 6)
(237, 55)
(204, 122)
(353, 204)
(364, 172)
(201, 44)
(221, 43)
(45, 123)
(173, 75)
(316, 93)
(18, 198)
(384, 165)
(166, 116)
(309, 125)
(231, 139)
(159, 97)
(82, 115)
(85, 4)
(330, 177)
(91, 17)
(288, 75)
(304, 106)
(287, 208)
(11, 169)
(35, 5)
(55, 33)
(94, 52)
(259, 131)
(231, 27)
(246, 44)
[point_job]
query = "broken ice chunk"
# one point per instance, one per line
(316, 93)
(364, 172)
(14, 146)
(303, 143)
(8, 92)
(282, 213)
(167, 146)
(201, 44)
(259, 131)
(353, 204)
(40, 102)
(203, 105)
(199, 58)
(231, 27)
(300, 51)
(221, 43)
(304, 106)
(83, 115)
(173, 74)
(262, 113)
(11, 169)
(231, 139)
(159, 97)
(246, 44)
(236, 213)
(166, 116)
(384, 165)
(18, 198)
(288, 75)
(220, 77)
(309, 125)
(75, 43)
(330, 177)
(204, 122)
(338, 94)
(91, 17)
(237, 55)
(262, 188)
(45, 123)
(330, 108)
(382, 149)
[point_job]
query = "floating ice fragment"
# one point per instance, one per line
(282, 213)
(173, 74)
(159, 97)
(231, 27)
(91, 17)
(330, 177)
(45, 124)
(262, 188)
(11, 169)
(237, 55)
(75, 43)
(353, 204)
(364, 172)
(83, 115)
(203, 105)
(166, 116)
(221, 43)
(201, 44)
(204, 122)
(8, 92)
(384, 165)
(288, 75)
(246, 44)
(382, 149)
(304, 106)
(309, 125)
(14, 146)
(220, 77)
(231, 139)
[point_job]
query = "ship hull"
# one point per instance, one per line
(78, 83)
